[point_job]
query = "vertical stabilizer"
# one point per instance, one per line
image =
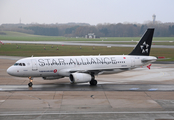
(144, 45)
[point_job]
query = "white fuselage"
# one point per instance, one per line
(63, 66)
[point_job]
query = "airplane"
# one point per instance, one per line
(83, 69)
(1, 42)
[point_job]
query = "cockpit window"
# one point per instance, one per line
(16, 64)
(19, 64)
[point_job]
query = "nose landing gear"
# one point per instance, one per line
(30, 84)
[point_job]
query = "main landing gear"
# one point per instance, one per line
(30, 84)
(93, 82)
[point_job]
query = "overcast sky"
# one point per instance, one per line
(85, 11)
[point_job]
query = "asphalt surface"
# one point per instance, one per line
(82, 43)
(87, 87)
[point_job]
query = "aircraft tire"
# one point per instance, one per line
(30, 84)
(93, 82)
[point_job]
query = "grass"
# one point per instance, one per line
(28, 37)
(28, 50)
(38, 50)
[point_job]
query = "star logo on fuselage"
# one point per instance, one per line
(144, 47)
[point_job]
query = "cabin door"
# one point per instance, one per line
(34, 65)
(132, 62)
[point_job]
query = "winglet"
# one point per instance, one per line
(144, 45)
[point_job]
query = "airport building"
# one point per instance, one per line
(90, 35)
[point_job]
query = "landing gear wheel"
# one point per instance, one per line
(93, 82)
(30, 84)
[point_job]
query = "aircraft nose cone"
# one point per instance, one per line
(10, 71)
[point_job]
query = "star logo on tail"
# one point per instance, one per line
(144, 47)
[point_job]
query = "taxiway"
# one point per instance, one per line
(82, 43)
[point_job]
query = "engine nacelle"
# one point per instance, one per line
(52, 78)
(80, 77)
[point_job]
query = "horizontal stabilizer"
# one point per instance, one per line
(146, 60)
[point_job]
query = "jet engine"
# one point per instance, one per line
(80, 77)
(52, 78)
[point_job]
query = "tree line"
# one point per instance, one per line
(100, 30)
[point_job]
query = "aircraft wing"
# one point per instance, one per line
(93, 71)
